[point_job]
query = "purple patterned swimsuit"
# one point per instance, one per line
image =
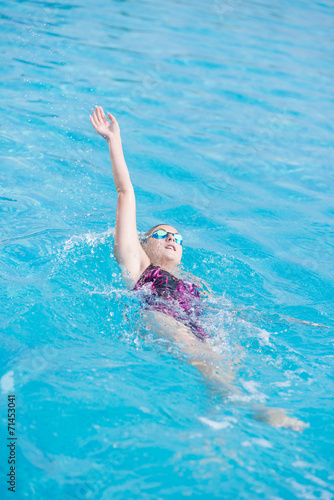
(172, 296)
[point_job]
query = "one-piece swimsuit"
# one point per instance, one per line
(175, 297)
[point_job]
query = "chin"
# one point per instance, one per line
(172, 256)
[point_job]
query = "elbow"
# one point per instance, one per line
(125, 191)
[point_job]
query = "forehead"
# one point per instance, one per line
(169, 229)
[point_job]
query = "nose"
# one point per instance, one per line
(170, 236)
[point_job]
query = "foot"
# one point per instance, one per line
(277, 417)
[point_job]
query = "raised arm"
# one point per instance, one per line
(127, 248)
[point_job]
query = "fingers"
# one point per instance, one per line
(93, 122)
(95, 118)
(112, 118)
(99, 114)
(103, 115)
(99, 118)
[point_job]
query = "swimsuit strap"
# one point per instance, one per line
(155, 272)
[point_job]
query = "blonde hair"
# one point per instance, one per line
(145, 237)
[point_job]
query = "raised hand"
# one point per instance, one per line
(108, 129)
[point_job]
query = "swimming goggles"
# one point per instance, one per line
(159, 234)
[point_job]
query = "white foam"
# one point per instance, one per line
(264, 443)
(227, 422)
(7, 382)
(250, 386)
(287, 383)
(92, 239)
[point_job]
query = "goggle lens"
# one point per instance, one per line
(161, 233)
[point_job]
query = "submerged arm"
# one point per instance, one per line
(128, 251)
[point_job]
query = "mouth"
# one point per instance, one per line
(171, 247)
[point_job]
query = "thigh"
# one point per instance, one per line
(168, 327)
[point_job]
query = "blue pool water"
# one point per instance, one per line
(226, 112)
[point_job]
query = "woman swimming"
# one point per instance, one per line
(152, 267)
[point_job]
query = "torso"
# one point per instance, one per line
(173, 296)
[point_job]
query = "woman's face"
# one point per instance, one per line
(164, 251)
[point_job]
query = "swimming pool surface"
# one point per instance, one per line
(226, 113)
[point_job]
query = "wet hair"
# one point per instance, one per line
(145, 237)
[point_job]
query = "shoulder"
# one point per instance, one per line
(150, 273)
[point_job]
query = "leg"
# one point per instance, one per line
(209, 364)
